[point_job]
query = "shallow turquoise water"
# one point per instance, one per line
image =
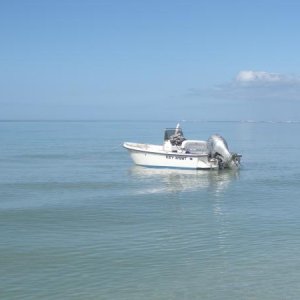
(79, 221)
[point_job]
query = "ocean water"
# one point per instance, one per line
(79, 221)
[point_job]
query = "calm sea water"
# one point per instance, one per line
(79, 221)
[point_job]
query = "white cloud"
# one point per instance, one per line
(251, 95)
(258, 76)
(262, 78)
(255, 85)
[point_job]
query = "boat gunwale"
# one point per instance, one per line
(130, 147)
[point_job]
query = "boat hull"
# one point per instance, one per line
(154, 156)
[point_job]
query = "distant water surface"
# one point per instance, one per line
(79, 221)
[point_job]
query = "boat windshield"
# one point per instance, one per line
(169, 132)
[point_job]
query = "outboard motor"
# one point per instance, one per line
(218, 149)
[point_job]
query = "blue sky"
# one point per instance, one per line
(166, 60)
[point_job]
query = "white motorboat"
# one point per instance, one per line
(179, 152)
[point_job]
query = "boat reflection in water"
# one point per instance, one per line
(156, 180)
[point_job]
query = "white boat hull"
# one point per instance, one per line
(155, 156)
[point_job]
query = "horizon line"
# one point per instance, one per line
(145, 120)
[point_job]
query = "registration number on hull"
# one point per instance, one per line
(177, 157)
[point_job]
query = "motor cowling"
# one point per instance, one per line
(218, 148)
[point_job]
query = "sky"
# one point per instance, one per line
(150, 60)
